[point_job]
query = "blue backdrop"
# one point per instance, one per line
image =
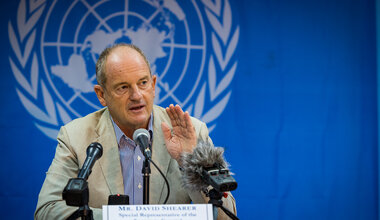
(289, 88)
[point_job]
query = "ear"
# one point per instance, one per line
(100, 94)
(154, 79)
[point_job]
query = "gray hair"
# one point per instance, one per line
(101, 63)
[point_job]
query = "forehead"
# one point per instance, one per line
(125, 61)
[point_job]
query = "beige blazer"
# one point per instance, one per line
(106, 177)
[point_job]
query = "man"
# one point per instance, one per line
(127, 88)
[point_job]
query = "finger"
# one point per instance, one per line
(180, 116)
(190, 130)
(175, 115)
(187, 120)
(169, 110)
(166, 131)
(178, 109)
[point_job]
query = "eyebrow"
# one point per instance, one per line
(120, 83)
(125, 83)
(145, 77)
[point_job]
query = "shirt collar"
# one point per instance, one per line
(119, 133)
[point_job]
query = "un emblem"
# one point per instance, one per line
(189, 44)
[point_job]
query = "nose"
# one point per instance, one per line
(135, 93)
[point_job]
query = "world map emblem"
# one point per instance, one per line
(55, 44)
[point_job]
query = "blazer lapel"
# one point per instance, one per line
(110, 161)
(160, 156)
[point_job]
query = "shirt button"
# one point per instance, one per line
(139, 186)
(138, 158)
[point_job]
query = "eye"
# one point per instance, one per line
(122, 89)
(144, 83)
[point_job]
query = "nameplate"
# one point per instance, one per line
(153, 212)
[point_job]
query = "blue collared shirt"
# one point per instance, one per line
(131, 160)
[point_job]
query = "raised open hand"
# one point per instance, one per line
(183, 137)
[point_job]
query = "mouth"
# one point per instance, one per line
(136, 108)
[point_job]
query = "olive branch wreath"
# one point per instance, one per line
(26, 27)
(222, 30)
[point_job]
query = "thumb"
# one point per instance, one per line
(166, 130)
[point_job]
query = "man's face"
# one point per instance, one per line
(129, 89)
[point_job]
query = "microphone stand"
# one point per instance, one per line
(216, 201)
(76, 194)
(146, 173)
(84, 212)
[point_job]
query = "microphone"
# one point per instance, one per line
(204, 167)
(94, 152)
(141, 137)
(76, 191)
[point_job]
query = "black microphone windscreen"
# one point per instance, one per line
(94, 152)
(95, 146)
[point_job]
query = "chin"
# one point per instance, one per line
(141, 121)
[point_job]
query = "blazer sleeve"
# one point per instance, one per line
(64, 166)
